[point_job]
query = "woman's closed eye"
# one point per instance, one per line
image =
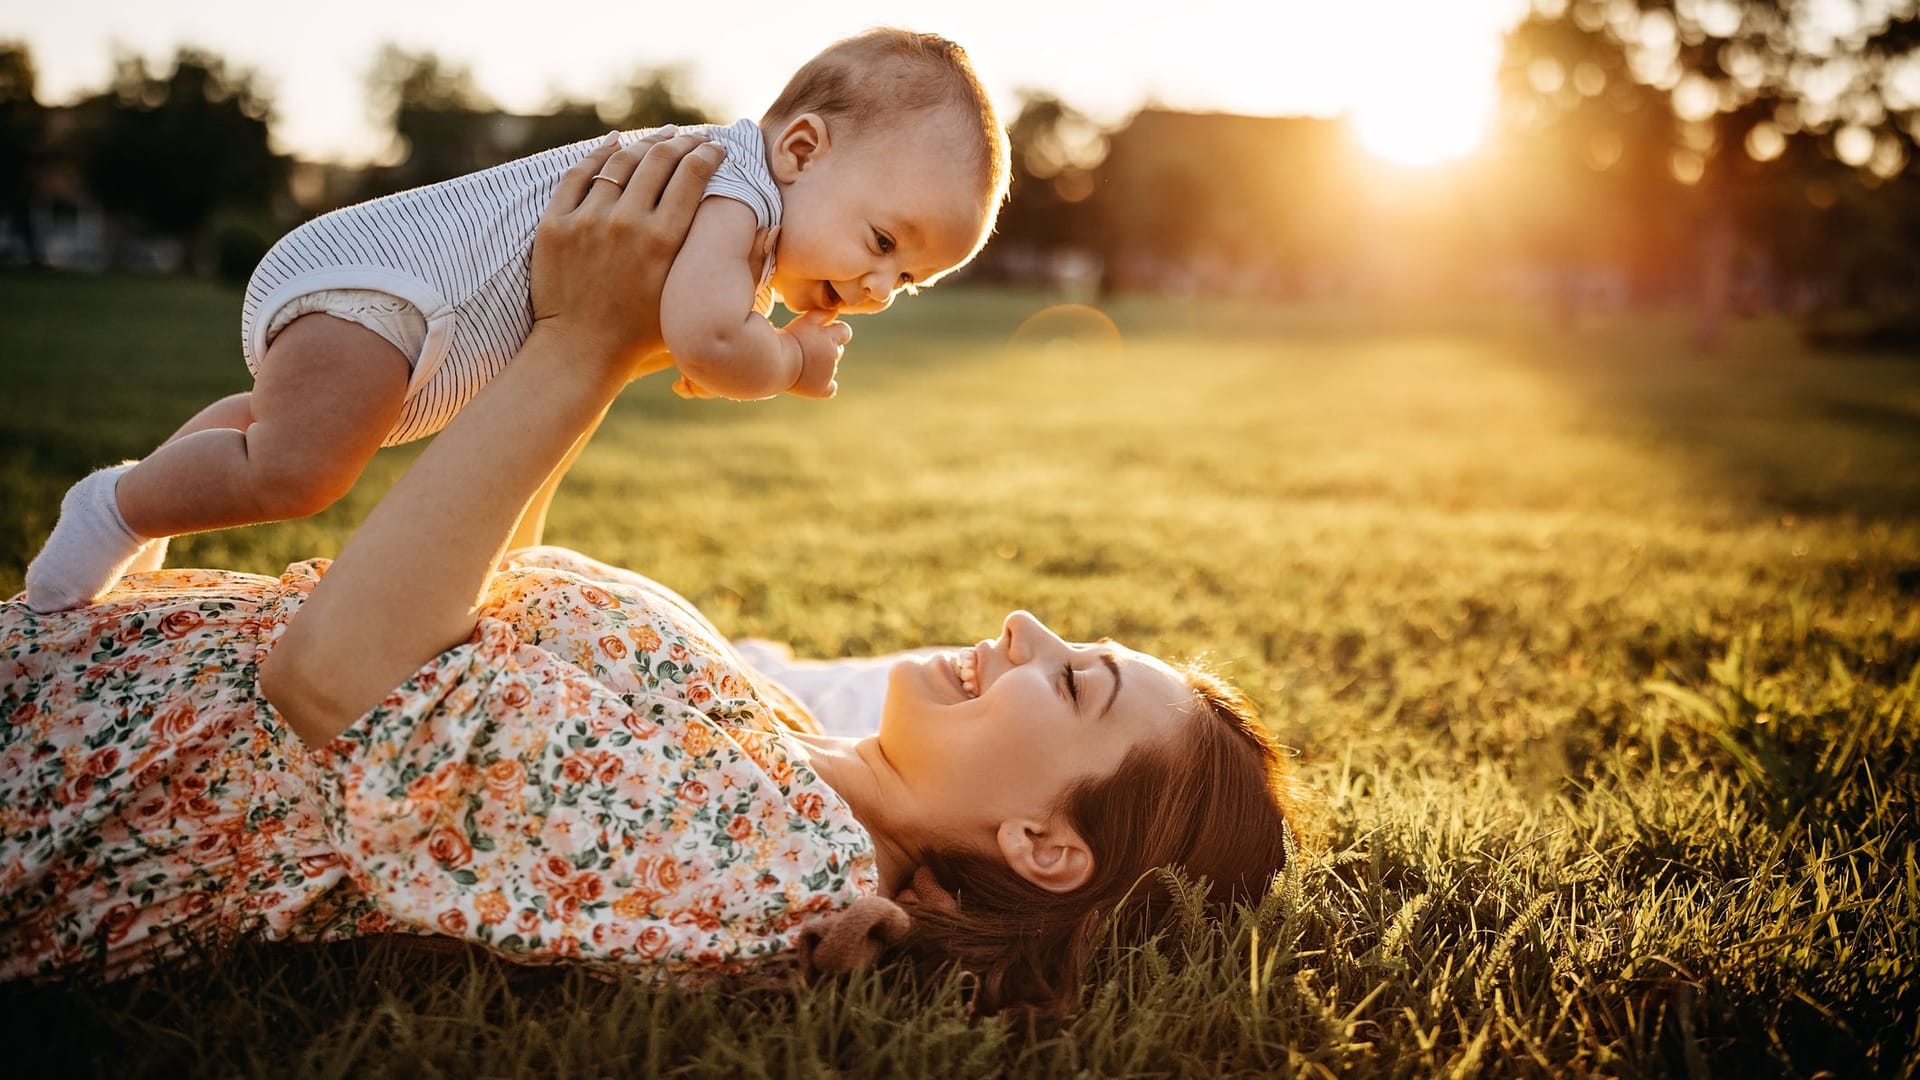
(1072, 682)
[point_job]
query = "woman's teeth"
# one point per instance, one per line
(965, 667)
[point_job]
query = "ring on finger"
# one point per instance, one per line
(614, 180)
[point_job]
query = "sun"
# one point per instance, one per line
(1438, 124)
(1427, 96)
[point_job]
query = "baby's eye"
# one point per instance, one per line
(883, 242)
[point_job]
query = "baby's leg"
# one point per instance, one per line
(327, 394)
(232, 411)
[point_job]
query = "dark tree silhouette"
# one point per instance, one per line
(432, 107)
(656, 96)
(1055, 148)
(22, 124)
(168, 150)
(446, 127)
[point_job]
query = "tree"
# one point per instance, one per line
(22, 125)
(1584, 177)
(445, 126)
(655, 96)
(1766, 114)
(1054, 150)
(170, 150)
(433, 108)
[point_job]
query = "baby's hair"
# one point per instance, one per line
(884, 72)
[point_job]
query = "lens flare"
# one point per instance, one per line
(1068, 326)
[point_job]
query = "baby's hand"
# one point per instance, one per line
(691, 390)
(822, 338)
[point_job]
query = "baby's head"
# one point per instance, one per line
(891, 165)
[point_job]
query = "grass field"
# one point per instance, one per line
(1602, 657)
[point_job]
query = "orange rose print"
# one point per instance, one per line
(179, 624)
(506, 778)
(118, 920)
(492, 907)
(449, 847)
(176, 720)
(697, 740)
(319, 843)
(652, 941)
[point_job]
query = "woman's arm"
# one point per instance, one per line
(407, 584)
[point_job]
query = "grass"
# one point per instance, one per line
(1603, 657)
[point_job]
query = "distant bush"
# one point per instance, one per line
(1897, 331)
(239, 243)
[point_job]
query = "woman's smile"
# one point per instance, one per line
(966, 666)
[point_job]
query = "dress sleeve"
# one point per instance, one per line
(503, 796)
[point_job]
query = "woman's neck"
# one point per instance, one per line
(858, 771)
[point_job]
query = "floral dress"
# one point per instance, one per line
(592, 777)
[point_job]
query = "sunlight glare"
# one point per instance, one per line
(1432, 90)
(1433, 130)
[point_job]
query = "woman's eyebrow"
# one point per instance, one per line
(1114, 667)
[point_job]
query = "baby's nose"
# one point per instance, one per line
(879, 297)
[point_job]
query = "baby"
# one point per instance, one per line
(880, 168)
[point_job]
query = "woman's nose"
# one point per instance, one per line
(1028, 637)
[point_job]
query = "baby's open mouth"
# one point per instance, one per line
(833, 295)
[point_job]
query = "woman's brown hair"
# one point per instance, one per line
(1215, 805)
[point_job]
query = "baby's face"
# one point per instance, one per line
(876, 213)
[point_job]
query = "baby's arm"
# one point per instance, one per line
(718, 341)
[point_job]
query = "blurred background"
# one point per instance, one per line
(1730, 157)
(1519, 402)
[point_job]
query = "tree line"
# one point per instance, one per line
(182, 152)
(1731, 154)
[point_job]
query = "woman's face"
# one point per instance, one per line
(1004, 729)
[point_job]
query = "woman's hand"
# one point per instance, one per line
(605, 243)
(407, 585)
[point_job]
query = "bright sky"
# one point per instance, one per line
(1417, 75)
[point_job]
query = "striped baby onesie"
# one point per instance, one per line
(459, 251)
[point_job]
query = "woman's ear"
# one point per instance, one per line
(1050, 854)
(798, 146)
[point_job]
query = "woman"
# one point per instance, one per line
(563, 761)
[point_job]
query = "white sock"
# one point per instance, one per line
(89, 548)
(151, 556)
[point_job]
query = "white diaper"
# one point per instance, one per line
(394, 319)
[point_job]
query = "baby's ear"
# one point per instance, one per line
(798, 145)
